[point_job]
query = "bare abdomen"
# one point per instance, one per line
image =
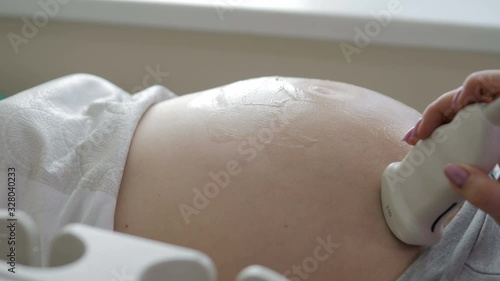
(269, 171)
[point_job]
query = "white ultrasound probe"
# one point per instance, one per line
(416, 195)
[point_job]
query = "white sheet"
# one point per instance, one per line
(68, 141)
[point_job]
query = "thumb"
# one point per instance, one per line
(476, 187)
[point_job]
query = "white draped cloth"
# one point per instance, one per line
(64, 144)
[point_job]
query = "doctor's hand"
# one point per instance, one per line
(473, 184)
(482, 86)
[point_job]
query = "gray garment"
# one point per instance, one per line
(468, 250)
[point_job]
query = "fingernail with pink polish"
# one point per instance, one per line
(456, 174)
(414, 133)
(407, 136)
(455, 99)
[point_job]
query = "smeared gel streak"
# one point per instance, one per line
(243, 113)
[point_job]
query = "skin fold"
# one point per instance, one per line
(281, 172)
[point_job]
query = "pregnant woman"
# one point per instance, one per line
(281, 172)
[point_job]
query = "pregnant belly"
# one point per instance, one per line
(279, 172)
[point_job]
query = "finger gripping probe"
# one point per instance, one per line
(416, 195)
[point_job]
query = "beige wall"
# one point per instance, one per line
(199, 61)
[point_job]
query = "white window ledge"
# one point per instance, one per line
(472, 25)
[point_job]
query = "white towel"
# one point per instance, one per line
(66, 142)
